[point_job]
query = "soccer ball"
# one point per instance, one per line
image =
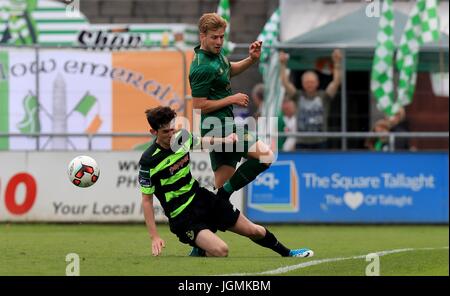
(83, 171)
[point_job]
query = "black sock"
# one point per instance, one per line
(271, 242)
(222, 193)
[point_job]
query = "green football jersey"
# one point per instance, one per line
(209, 77)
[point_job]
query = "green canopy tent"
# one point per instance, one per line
(356, 35)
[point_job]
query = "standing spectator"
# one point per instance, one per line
(287, 123)
(312, 104)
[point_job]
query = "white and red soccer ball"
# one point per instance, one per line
(83, 171)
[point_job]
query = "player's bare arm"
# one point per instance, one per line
(254, 53)
(289, 87)
(208, 106)
(157, 242)
(208, 142)
(333, 86)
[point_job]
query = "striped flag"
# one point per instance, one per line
(422, 27)
(30, 123)
(269, 36)
(224, 11)
(87, 107)
(38, 21)
(18, 21)
(382, 76)
(269, 66)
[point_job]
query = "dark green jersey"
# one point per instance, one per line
(209, 78)
(166, 174)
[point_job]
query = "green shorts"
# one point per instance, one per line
(231, 154)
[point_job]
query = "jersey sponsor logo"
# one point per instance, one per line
(179, 164)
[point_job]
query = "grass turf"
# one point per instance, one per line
(41, 249)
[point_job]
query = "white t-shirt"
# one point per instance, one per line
(290, 126)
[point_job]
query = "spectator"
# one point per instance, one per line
(287, 123)
(379, 144)
(258, 99)
(312, 104)
(398, 124)
(395, 123)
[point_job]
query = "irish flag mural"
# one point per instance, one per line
(70, 91)
(88, 107)
(85, 93)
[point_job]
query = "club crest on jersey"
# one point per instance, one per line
(225, 59)
(190, 234)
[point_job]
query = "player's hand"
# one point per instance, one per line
(284, 57)
(240, 99)
(231, 138)
(336, 56)
(254, 51)
(157, 245)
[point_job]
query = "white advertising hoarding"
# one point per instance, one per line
(34, 187)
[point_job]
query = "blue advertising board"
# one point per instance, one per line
(360, 187)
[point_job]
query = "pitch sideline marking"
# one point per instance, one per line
(317, 262)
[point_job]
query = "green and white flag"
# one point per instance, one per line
(17, 20)
(39, 21)
(422, 27)
(31, 123)
(269, 36)
(269, 66)
(224, 11)
(382, 76)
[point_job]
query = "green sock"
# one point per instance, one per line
(245, 173)
(227, 187)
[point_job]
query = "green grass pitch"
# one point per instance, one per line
(41, 249)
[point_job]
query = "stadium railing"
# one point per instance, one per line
(392, 137)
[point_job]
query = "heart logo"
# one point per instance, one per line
(353, 199)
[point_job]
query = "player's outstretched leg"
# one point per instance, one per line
(263, 237)
(257, 162)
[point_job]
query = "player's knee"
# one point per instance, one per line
(266, 160)
(256, 232)
(266, 157)
(221, 250)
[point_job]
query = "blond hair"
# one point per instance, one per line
(211, 21)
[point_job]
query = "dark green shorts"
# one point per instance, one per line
(231, 154)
